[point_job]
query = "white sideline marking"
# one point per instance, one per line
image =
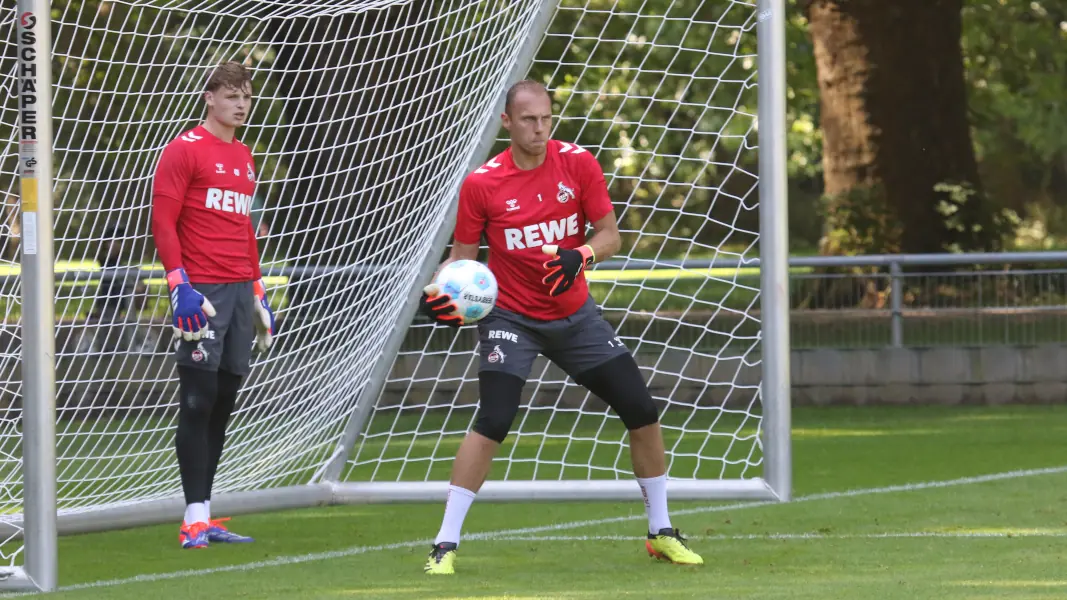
(514, 533)
(1022, 533)
(907, 487)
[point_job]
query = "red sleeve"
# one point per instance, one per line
(169, 185)
(596, 202)
(470, 219)
(253, 246)
(253, 252)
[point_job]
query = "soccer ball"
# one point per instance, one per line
(471, 285)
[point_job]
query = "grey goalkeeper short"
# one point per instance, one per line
(231, 334)
(510, 342)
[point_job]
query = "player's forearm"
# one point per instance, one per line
(459, 252)
(165, 234)
(605, 244)
(463, 252)
(253, 253)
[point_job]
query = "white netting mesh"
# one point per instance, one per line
(367, 116)
(664, 94)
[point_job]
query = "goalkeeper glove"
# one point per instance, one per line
(264, 319)
(191, 309)
(565, 268)
(440, 307)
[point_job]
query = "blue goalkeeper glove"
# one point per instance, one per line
(191, 309)
(264, 318)
(564, 269)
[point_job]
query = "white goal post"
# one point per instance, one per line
(368, 114)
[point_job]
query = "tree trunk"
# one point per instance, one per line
(898, 159)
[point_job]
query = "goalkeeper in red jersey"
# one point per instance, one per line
(532, 203)
(201, 201)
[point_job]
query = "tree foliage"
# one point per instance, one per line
(622, 89)
(667, 100)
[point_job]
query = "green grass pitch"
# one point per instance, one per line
(908, 503)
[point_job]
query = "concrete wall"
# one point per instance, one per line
(986, 375)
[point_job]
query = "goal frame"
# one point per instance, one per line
(39, 522)
(776, 439)
(39, 525)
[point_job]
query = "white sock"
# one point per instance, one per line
(456, 507)
(196, 513)
(654, 489)
(207, 507)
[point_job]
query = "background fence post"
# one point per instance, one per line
(896, 301)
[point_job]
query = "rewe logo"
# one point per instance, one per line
(498, 334)
(228, 201)
(539, 234)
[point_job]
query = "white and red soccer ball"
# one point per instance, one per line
(471, 285)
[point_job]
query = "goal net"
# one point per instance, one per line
(664, 95)
(367, 116)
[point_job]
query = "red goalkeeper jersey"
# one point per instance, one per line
(201, 205)
(520, 211)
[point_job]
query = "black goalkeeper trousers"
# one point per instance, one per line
(207, 399)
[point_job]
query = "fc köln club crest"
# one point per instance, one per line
(564, 194)
(496, 356)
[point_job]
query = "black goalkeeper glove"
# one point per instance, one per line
(565, 267)
(440, 307)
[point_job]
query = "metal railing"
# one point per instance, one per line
(850, 301)
(911, 300)
(927, 300)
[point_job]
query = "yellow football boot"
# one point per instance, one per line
(669, 545)
(442, 560)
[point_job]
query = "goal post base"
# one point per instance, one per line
(15, 579)
(554, 491)
(170, 510)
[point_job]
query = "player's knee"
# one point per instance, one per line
(618, 382)
(197, 390)
(229, 386)
(639, 410)
(635, 407)
(500, 394)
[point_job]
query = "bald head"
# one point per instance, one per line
(528, 119)
(526, 86)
